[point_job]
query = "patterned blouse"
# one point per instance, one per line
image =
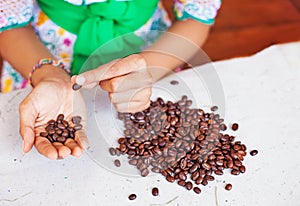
(18, 13)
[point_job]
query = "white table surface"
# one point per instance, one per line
(262, 94)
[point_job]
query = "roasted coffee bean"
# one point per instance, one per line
(169, 178)
(242, 169)
(181, 183)
(144, 172)
(235, 126)
(182, 176)
(197, 190)
(78, 127)
(235, 172)
(228, 186)
(188, 185)
(44, 134)
(76, 87)
(60, 117)
(117, 163)
(132, 197)
(155, 191)
(76, 120)
(61, 139)
(214, 108)
(174, 82)
(112, 151)
(253, 152)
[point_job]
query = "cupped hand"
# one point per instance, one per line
(48, 99)
(128, 82)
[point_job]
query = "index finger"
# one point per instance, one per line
(113, 69)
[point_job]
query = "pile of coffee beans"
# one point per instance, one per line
(185, 145)
(60, 130)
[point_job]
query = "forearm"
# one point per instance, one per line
(23, 49)
(176, 46)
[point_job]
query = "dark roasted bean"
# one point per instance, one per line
(144, 172)
(76, 86)
(132, 197)
(78, 127)
(44, 134)
(214, 108)
(253, 152)
(155, 191)
(112, 151)
(60, 117)
(188, 185)
(228, 187)
(235, 126)
(117, 163)
(197, 190)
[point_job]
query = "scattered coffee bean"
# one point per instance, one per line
(228, 187)
(155, 191)
(235, 126)
(59, 130)
(174, 82)
(197, 190)
(214, 108)
(117, 163)
(76, 86)
(132, 197)
(253, 152)
(112, 151)
(188, 185)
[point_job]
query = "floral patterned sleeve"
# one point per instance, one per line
(15, 13)
(204, 11)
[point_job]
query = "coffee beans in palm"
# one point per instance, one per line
(60, 130)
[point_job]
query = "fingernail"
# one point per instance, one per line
(80, 80)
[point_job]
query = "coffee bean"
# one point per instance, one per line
(169, 178)
(44, 134)
(182, 176)
(60, 117)
(60, 139)
(181, 183)
(174, 82)
(235, 172)
(155, 191)
(188, 185)
(117, 163)
(144, 172)
(76, 120)
(197, 190)
(214, 108)
(253, 152)
(235, 126)
(242, 169)
(132, 197)
(78, 127)
(112, 151)
(76, 87)
(228, 187)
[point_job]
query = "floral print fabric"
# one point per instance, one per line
(60, 42)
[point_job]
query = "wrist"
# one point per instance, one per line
(50, 73)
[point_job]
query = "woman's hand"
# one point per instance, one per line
(128, 82)
(49, 98)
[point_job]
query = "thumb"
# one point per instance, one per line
(27, 121)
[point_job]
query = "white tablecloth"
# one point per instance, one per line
(262, 94)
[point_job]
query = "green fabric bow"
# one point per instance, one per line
(97, 24)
